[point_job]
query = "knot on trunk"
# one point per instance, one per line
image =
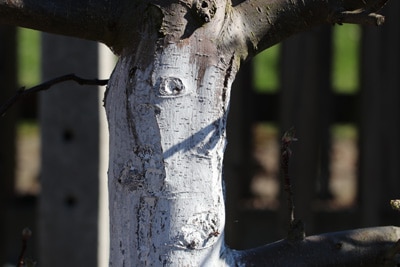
(171, 86)
(205, 9)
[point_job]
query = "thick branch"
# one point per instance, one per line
(92, 20)
(362, 247)
(268, 22)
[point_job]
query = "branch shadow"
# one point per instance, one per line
(195, 142)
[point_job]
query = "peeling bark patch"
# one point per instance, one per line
(129, 117)
(131, 178)
(200, 231)
(229, 71)
(144, 152)
(228, 76)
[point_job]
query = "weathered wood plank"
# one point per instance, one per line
(70, 132)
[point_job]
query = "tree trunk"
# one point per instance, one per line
(167, 119)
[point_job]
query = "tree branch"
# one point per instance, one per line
(268, 22)
(95, 20)
(46, 85)
(372, 247)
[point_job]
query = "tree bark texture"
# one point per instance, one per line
(167, 103)
(167, 120)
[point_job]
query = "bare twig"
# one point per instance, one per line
(26, 234)
(366, 15)
(286, 152)
(46, 85)
(357, 17)
(296, 227)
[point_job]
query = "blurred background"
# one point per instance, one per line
(338, 86)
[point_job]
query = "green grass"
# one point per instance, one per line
(27, 128)
(28, 57)
(344, 131)
(266, 72)
(346, 67)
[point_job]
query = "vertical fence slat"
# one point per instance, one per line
(305, 72)
(390, 89)
(69, 116)
(370, 115)
(238, 154)
(379, 122)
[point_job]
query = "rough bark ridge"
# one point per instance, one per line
(167, 105)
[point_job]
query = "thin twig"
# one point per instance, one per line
(46, 85)
(286, 152)
(364, 15)
(26, 234)
(296, 227)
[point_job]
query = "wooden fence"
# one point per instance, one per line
(305, 100)
(69, 218)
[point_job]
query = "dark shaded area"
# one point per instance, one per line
(16, 212)
(306, 101)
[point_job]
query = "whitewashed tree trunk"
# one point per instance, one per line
(167, 124)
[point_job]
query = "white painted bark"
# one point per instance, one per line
(167, 132)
